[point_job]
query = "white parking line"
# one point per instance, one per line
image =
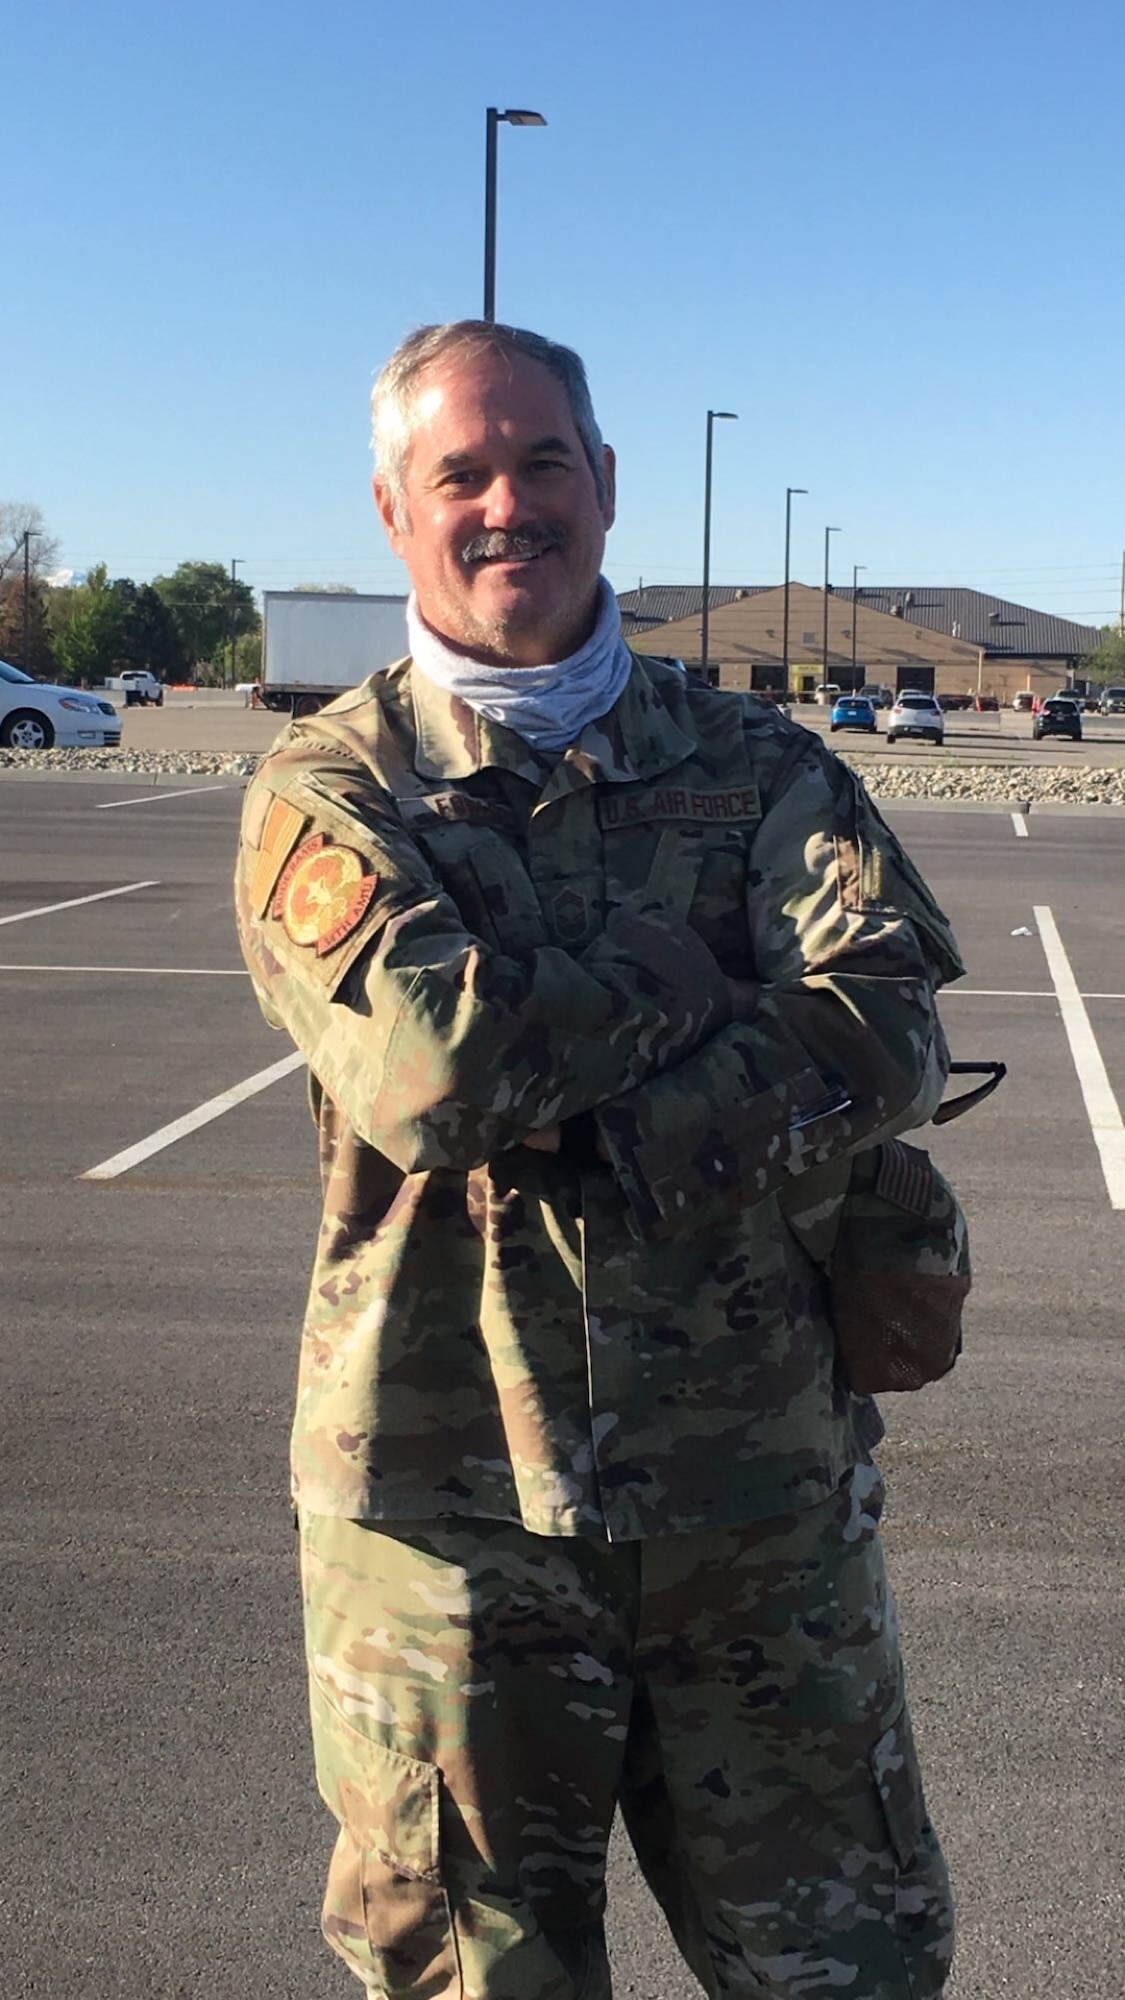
(192, 1120)
(1014, 993)
(74, 902)
(144, 971)
(156, 798)
(1019, 821)
(1097, 1093)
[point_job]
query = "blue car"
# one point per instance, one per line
(854, 711)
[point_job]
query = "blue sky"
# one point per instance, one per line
(887, 235)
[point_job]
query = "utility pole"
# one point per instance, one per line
(234, 562)
(1121, 614)
(27, 534)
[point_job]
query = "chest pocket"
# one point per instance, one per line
(697, 873)
(485, 875)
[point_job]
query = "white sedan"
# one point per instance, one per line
(34, 715)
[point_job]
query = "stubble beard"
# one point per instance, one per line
(501, 638)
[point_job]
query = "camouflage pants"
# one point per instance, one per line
(482, 1699)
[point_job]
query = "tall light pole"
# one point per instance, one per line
(730, 416)
(789, 492)
(493, 118)
(856, 567)
(233, 612)
(827, 533)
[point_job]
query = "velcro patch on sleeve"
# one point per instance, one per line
(323, 894)
(279, 836)
(905, 1177)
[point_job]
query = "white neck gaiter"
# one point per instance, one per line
(548, 706)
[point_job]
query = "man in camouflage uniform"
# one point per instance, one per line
(588, 1514)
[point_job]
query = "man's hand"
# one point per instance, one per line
(547, 1140)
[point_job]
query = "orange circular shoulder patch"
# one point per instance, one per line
(322, 894)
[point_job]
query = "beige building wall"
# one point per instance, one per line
(745, 644)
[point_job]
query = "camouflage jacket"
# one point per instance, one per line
(469, 943)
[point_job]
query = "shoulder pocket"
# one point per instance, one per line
(341, 879)
(877, 875)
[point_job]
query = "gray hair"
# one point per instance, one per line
(393, 397)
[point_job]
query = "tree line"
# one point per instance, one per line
(179, 626)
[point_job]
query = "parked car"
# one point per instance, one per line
(916, 714)
(955, 701)
(1060, 715)
(853, 711)
(35, 715)
(826, 694)
(140, 688)
(1023, 700)
(879, 697)
(985, 704)
(1112, 701)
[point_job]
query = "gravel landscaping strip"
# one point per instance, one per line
(974, 783)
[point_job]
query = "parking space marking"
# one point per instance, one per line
(1015, 993)
(1019, 821)
(74, 902)
(157, 798)
(152, 971)
(192, 1120)
(1097, 1092)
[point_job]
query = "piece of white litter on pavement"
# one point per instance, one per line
(1023, 932)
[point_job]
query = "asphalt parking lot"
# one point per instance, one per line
(216, 719)
(160, 1835)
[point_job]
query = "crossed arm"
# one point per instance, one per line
(443, 1052)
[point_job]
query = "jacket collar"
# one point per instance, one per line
(648, 731)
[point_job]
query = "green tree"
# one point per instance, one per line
(1107, 661)
(90, 648)
(41, 659)
(150, 636)
(329, 589)
(207, 608)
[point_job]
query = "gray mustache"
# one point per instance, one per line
(499, 544)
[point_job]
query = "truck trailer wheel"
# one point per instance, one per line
(306, 704)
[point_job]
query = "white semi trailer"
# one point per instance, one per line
(317, 643)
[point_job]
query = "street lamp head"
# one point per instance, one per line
(796, 489)
(731, 414)
(522, 118)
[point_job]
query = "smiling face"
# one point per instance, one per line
(506, 532)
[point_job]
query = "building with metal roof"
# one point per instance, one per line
(867, 641)
(1002, 630)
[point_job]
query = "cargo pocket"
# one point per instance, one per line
(386, 1911)
(924, 1920)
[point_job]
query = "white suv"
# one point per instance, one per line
(916, 714)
